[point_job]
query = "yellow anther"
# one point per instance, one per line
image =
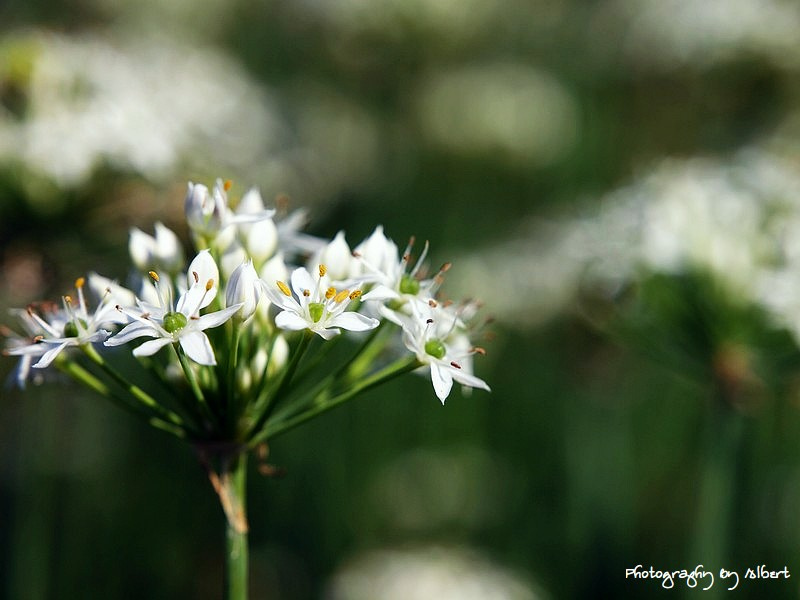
(153, 275)
(341, 296)
(79, 282)
(330, 292)
(284, 288)
(322, 270)
(355, 294)
(227, 185)
(68, 299)
(306, 293)
(209, 284)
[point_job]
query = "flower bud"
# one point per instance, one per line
(336, 257)
(244, 287)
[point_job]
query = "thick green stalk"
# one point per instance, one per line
(233, 496)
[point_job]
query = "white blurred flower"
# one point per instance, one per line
(160, 252)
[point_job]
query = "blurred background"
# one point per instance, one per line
(618, 181)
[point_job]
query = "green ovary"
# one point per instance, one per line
(173, 321)
(409, 285)
(315, 310)
(435, 348)
(71, 328)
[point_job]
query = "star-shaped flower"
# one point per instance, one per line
(429, 332)
(182, 324)
(316, 306)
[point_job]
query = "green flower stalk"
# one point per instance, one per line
(231, 354)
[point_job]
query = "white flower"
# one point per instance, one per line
(182, 324)
(73, 326)
(260, 238)
(209, 215)
(316, 306)
(244, 288)
(160, 252)
(336, 256)
(429, 334)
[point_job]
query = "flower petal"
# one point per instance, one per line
(301, 280)
(290, 320)
(50, 355)
(132, 331)
(442, 381)
(198, 348)
(469, 380)
(353, 321)
(216, 318)
(327, 334)
(150, 347)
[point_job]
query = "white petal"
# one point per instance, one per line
(290, 320)
(198, 348)
(204, 266)
(353, 321)
(141, 248)
(327, 334)
(470, 380)
(150, 347)
(380, 293)
(442, 381)
(131, 332)
(301, 280)
(215, 319)
(49, 356)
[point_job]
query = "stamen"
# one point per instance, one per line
(429, 322)
(420, 260)
(79, 282)
(355, 294)
(196, 277)
(356, 254)
(153, 276)
(227, 185)
(68, 300)
(322, 270)
(479, 350)
(341, 296)
(37, 339)
(284, 288)
(306, 293)
(209, 285)
(432, 303)
(330, 292)
(455, 364)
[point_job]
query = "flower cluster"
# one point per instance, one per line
(227, 338)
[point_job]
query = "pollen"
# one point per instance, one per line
(341, 296)
(355, 294)
(209, 284)
(153, 275)
(322, 270)
(79, 282)
(227, 185)
(330, 292)
(284, 288)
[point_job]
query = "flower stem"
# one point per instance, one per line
(397, 368)
(142, 397)
(193, 383)
(236, 552)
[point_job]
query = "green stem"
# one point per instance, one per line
(232, 407)
(286, 379)
(135, 391)
(84, 377)
(397, 368)
(234, 502)
(193, 383)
